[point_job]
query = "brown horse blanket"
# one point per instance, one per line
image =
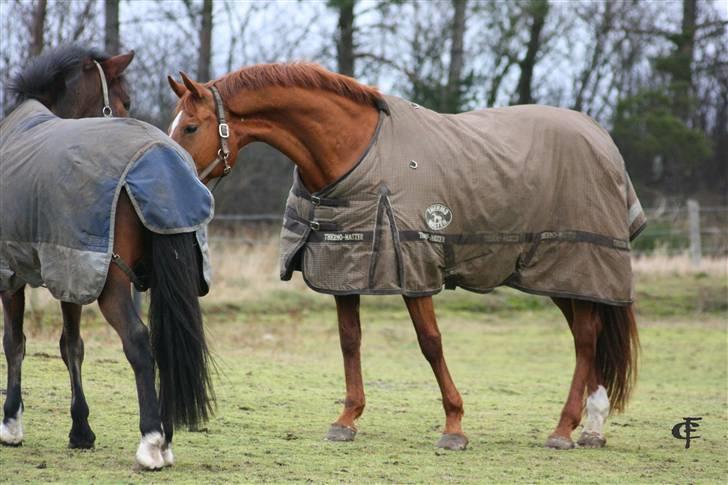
(532, 197)
(60, 181)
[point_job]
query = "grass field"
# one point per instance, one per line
(281, 382)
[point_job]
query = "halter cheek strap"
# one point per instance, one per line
(223, 131)
(106, 110)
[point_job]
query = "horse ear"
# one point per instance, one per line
(193, 86)
(114, 66)
(178, 88)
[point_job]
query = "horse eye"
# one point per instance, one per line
(127, 105)
(190, 129)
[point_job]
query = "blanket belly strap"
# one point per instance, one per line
(506, 238)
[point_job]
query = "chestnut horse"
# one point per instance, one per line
(76, 82)
(324, 122)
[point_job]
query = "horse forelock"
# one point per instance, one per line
(40, 77)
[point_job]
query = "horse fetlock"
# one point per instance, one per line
(354, 407)
(149, 454)
(11, 430)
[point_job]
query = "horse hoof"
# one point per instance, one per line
(11, 431)
(559, 443)
(167, 454)
(149, 453)
(83, 440)
(451, 441)
(338, 432)
(81, 444)
(591, 440)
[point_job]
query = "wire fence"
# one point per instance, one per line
(670, 230)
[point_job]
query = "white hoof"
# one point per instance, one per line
(11, 433)
(167, 454)
(149, 453)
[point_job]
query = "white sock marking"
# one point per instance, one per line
(149, 453)
(12, 432)
(597, 410)
(167, 455)
(175, 123)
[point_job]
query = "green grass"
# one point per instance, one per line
(281, 383)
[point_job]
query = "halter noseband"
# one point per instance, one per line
(223, 131)
(106, 110)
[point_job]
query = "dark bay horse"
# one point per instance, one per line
(75, 82)
(324, 122)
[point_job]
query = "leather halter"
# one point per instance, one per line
(223, 131)
(106, 110)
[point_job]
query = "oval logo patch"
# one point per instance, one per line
(438, 217)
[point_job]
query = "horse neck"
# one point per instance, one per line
(323, 133)
(80, 99)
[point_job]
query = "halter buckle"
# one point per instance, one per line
(223, 130)
(106, 111)
(226, 169)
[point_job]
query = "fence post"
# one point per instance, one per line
(694, 225)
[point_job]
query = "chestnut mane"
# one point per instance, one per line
(297, 74)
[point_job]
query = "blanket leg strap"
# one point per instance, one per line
(136, 281)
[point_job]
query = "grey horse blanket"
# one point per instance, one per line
(533, 197)
(60, 181)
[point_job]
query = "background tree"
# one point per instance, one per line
(537, 10)
(205, 54)
(112, 42)
(345, 36)
(38, 27)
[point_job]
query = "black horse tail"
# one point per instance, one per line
(183, 360)
(617, 353)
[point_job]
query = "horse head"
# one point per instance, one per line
(67, 80)
(200, 127)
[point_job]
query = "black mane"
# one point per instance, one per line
(44, 76)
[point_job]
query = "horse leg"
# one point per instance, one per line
(117, 307)
(347, 309)
(422, 313)
(597, 403)
(585, 326)
(11, 429)
(72, 352)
